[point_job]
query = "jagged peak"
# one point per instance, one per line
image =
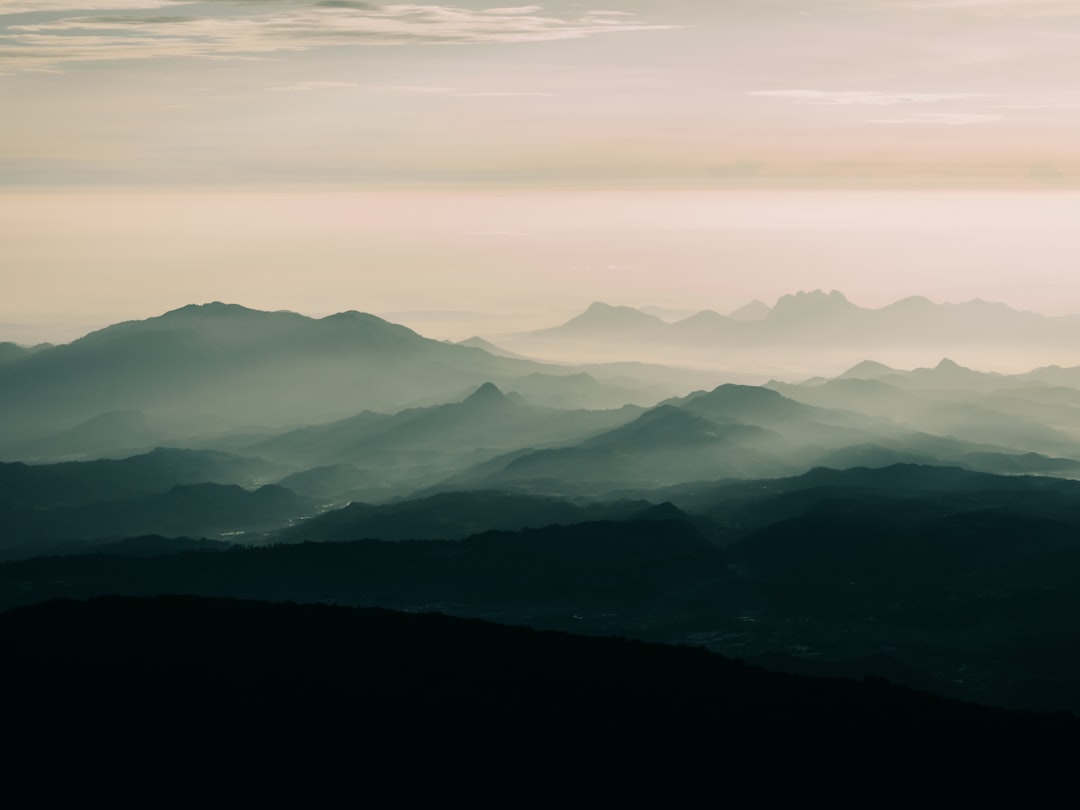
(812, 301)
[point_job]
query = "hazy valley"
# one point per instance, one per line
(921, 526)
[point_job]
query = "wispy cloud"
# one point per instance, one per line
(268, 27)
(38, 6)
(941, 119)
(861, 97)
(437, 90)
(300, 87)
(998, 8)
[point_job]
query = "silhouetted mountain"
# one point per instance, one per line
(188, 510)
(202, 369)
(420, 446)
(456, 515)
(731, 432)
(45, 486)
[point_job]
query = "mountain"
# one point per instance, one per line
(831, 566)
(44, 486)
(754, 311)
(489, 347)
(420, 446)
(122, 432)
(456, 515)
(9, 352)
(604, 321)
(815, 309)
(210, 368)
(191, 510)
(806, 322)
(1017, 412)
(732, 431)
(317, 691)
(737, 431)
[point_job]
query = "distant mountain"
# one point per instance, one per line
(116, 433)
(210, 368)
(602, 320)
(420, 446)
(738, 431)
(814, 309)
(489, 347)
(731, 432)
(582, 391)
(754, 311)
(1018, 412)
(828, 319)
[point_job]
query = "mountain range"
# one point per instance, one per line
(825, 319)
(210, 369)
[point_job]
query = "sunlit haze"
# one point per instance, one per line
(473, 170)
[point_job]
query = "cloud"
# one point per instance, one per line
(454, 92)
(997, 8)
(861, 97)
(38, 6)
(255, 29)
(300, 87)
(941, 119)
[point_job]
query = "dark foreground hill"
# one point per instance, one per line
(188, 684)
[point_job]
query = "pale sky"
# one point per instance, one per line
(697, 92)
(515, 163)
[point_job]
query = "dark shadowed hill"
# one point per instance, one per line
(966, 578)
(456, 515)
(341, 690)
(38, 486)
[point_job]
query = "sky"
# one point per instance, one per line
(518, 162)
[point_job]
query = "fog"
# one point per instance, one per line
(455, 264)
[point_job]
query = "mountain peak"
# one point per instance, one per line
(605, 317)
(813, 303)
(216, 309)
(754, 311)
(488, 392)
(868, 370)
(949, 365)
